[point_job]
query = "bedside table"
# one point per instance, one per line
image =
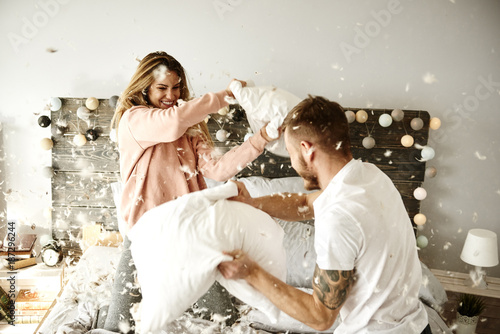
(39, 277)
(453, 281)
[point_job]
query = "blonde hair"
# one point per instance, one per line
(136, 92)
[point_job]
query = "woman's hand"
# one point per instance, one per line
(228, 90)
(264, 134)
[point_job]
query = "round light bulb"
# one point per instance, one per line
(223, 111)
(44, 121)
(435, 123)
(419, 219)
(398, 115)
(420, 193)
(91, 134)
(48, 172)
(79, 140)
(83, 113)
(113, 101)
(350, 115)
(427, 153)
(368, 142)
(221, 135)
(361, 116)
(92, 103)
(417, 123)
(430, 172)
(422, 241)
(407, 141)
(385, 120)
(55, 104)
(46, 144)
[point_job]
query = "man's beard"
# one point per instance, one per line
(310, 179)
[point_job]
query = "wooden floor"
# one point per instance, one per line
(489, 321)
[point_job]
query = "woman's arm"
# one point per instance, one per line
(149, 126)
(224, 167)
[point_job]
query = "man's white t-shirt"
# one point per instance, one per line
(361, 223)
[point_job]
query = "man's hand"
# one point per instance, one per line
(318, 311)
(243, 194)
(239, 268)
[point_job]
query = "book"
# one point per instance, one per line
(5, 305)
(18, 263)
(19, 246)
(34, 299)
(30, 312)
(28, 319)
(22, 242)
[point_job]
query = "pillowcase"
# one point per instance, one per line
(178, 245)
(300, 253)
(431, 291)
(259, 186)
(266, 105)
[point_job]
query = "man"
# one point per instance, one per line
(367, 269)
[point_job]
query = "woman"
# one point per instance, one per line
(165, 151)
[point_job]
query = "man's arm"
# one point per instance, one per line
(319, 310)
(286, 206)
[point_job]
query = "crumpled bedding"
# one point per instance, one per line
(88, 290)
(73, 317)
(187, 323)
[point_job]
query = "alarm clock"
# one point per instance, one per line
(52, 254)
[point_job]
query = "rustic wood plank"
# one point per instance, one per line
(98, 156)
(83, 189)
(68, 219)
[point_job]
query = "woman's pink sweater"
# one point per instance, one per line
(159, 161)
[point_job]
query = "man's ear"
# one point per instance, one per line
(307, 150)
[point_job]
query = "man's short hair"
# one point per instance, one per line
(321, 122)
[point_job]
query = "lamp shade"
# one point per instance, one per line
(480, 248)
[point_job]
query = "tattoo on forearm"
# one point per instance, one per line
(332, 286)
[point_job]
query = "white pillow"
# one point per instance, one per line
(266, 105)
(261, 186)
(178, 245)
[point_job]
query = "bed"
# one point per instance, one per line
(82, 191)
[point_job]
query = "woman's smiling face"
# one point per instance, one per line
(165, 91)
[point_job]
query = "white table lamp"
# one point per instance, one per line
(480, 250)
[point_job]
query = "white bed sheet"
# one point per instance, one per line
(90, 281)
(100, 262)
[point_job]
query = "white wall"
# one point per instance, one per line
(439, 56)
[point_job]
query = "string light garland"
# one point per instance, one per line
(427, 153)
(385, 120)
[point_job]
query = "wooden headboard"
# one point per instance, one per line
(81, 192)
